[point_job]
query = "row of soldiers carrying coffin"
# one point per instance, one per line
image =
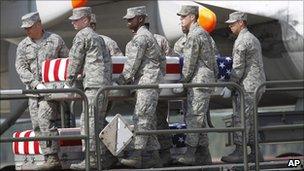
(91, 53)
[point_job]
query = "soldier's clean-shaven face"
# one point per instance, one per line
(80, 23)
(131, 22)
(35, 31)
(134, 23)
(186, 21)
(236, 27)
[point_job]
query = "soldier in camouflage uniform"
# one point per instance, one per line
(179, 45)
(144, 66)
(165, 140)
(38, 46)
(247, 71)
(162, 42)
(110, 43)
(197, 48)
(88, 53)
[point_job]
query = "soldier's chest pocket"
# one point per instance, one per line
(31, 56)
(49, 50)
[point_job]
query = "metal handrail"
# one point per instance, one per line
(44, 91)
(255, 111)
(186, 85)
(220, 166)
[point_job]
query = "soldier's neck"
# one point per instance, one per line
(39, 39)
(137, 28)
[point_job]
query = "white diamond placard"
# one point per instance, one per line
(116, 135)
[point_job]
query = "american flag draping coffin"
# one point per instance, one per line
(224, 65)
(56, 69)
(28, 154)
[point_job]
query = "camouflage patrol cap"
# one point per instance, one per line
(188, 9)
(135, 11)
(81, 12)
(28, 20)
(236, 16)
(93, 18)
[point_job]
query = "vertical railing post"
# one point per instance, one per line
(243, 122)
(244, 133)
(87, 133)
(255, 123)
(62, 114)
(97, 126)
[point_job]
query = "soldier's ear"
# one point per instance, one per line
(243, 23)
(193, 17)
(141, 19)
(87, 20)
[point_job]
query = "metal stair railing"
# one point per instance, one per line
(166, 86)
(13, 94)
(257, 92)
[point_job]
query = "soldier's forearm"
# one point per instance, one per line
(73, 68)
(34, 84)
(27, 77)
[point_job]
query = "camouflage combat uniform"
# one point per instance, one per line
(165, 140)
(112, 46)
(199, 67)
(179, 45)
(247, 71)
(163, 43)
(144, 67)
(89, 54)
(29, 58)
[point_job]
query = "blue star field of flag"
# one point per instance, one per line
(224, 66)
(178, 139)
